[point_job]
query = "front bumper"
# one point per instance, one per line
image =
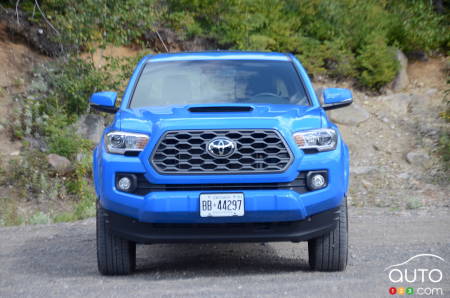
(148, 233)
(182, 206)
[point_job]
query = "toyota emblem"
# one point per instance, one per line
(221, 147)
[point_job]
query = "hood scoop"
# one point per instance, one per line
(220, 109)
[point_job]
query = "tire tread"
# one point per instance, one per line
(115, 256)
(329, 252)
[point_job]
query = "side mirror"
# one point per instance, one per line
(104, 101)
(334, 98)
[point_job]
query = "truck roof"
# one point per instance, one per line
(219, 55)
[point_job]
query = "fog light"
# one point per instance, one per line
(124, 184)
(316, 179)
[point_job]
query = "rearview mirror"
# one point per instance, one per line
(104, 101)
(334, 98)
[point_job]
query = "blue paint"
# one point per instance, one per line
(260, 205)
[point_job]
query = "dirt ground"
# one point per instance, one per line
(59, 260)
(399, 124)
(16, 60)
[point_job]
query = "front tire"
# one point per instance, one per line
(115, 256)
(330, 251)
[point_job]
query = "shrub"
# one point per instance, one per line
(329, 36)
(9, 212)
(75, 81)
(89, 23)
(416, 26)
(40, 183)
(39, 218)
(70, 84)
(338, 38)
(444, 140)
(377, 63)
(66, 143)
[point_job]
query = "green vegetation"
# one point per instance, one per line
(49, 112)
(85, 25)
(377, 63)
(444, 140)
(9, 213)
(342, 39)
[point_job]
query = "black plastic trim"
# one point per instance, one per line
(106, 109)
(220, 109)
(144, 186)
(149, 233)
(337, 105)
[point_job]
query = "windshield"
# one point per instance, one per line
(218, 81)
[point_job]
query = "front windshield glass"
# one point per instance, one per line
(218, 81)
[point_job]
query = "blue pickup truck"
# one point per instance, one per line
(225, 147)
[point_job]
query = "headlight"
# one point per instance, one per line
(320, 139)
(120, 142)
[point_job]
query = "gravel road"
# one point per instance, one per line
(59, 260)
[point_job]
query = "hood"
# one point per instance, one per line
(219, 116)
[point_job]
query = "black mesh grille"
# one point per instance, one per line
(185, 152)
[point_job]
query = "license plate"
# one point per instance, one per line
(221, 204)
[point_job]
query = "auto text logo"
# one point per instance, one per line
(419, 275)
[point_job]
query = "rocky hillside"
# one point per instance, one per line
(394, 141)
(47, 131)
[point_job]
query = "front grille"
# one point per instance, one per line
(144, 186)
(185, 152)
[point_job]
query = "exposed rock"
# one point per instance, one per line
(431, 91)
(428, 128)
(38, 85)
(15, 153)
(418, 55)
(366, 184)
(418, 158)
(39, 38)
(199, 44)
(37, 143)
(397, 104)
(164, 39)
(80, 156)
(363, 170)
(404, 175)
(401, 81)
(90, 127)
(417, 103)
(59, 163)
(351, 115)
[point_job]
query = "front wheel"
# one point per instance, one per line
(329, 252)
(115, 256)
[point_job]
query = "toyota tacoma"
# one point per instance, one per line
(221, 147)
